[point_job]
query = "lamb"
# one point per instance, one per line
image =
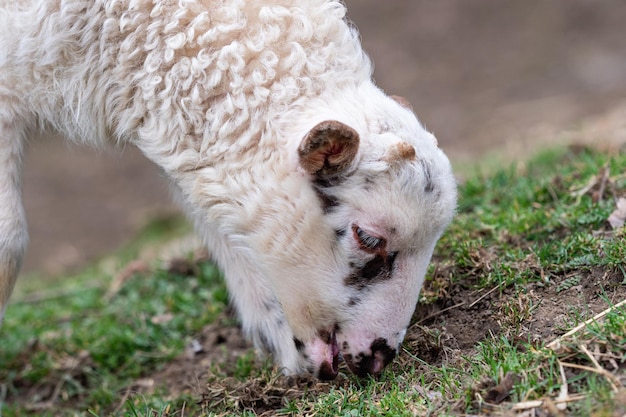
(320, 197)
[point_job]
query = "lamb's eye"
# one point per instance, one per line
(366, 241)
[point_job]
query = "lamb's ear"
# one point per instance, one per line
(328, 148)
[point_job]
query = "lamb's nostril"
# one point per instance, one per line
(378, 364)
(382, 355)
(372, 364)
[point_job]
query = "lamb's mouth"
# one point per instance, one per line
(330, 367)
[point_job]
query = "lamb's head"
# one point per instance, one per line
(364, 223)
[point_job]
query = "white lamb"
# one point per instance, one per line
(320, 197)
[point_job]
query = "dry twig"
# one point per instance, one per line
(440, 312)
(526, 405)
(556, 344)
(615, 383)
(485, 295)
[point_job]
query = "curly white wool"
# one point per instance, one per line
(190, 74)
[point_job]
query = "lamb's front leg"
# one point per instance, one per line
(13, 231)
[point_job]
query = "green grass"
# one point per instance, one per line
(89, 346)
(528, 257)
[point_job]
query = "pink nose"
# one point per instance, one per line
(328, 351)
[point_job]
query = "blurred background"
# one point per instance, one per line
(491, 79)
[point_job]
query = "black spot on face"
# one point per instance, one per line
(328, 181)
(329, 202)
(377, 269)
(325, 335)
(428, 176)
(321, 186)
(299, 344)
(353, 301)
(374, 268)
(391, 258)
